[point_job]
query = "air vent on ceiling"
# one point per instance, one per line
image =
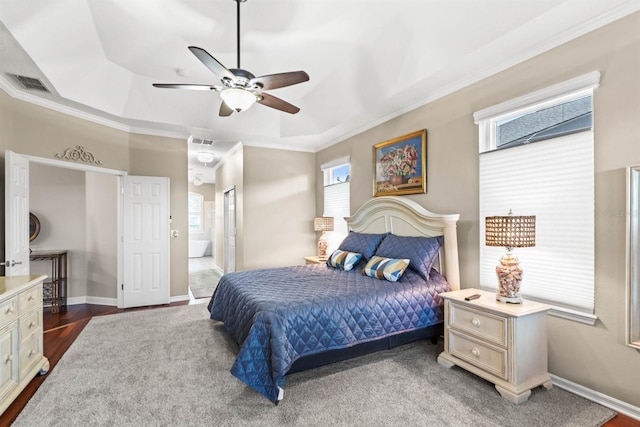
(200, 141)
(30, 83)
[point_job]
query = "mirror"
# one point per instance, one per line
(34, 227)
(633, 257)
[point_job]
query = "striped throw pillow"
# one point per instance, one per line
(343, 260)
(385, 268)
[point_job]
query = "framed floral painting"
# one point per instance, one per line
(400, 165)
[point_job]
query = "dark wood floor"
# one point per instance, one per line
(61, 329)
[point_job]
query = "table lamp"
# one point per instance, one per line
(510, 231)
(323, 223)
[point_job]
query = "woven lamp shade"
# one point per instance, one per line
(323, 223)
(510, 231)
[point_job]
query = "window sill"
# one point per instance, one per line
(573, 315)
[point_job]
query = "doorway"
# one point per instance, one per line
(204, 274)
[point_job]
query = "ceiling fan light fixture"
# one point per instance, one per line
(205, 157)
(238, 99)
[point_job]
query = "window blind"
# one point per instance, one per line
(554, 180)
(337, 205)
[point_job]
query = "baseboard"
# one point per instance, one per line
(597, 397)
(113, 301)
(92, 300)
(179, 298)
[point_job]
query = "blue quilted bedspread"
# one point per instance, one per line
(281, 314)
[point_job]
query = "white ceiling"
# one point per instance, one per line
(368, 60)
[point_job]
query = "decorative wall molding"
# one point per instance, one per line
(78, 154)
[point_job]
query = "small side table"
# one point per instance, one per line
(55, 288)
(315, 259)
(502, 343)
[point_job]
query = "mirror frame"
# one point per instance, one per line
(633, 257)
(36, 223)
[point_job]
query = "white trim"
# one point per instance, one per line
(179, 298)
(573, 315)
(553, 93)
(340, 161)
(92, 300)
(597, 397)
(75, 166)
(226, 155)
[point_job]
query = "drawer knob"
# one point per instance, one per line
(8, 359)
(475, 322)
(31, 353)
(31, 324)
(30, 298)
(9, 310)
(475, 351)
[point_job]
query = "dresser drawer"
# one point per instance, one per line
(8, 311)
(486, 326)
(30, 353)
(30, 298)
(30, 323)
(486, 357)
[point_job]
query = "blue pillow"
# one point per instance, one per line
(385, 268)
(362, 243)
(422, 251)
(343, 260)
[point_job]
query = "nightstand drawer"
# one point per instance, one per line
(485, 357)
(484, 325)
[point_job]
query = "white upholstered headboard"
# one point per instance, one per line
(404, 217)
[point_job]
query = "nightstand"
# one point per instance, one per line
(502, 343)
(315, 259)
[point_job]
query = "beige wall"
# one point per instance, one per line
(101, 221)
(57, 198)
(279, 206)
(593, 356)
(37, 131)
(275, 198)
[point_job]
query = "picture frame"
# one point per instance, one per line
(400, 165)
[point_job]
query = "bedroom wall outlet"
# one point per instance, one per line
(174, 233)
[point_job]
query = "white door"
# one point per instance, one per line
(230, 231)
(146, 241)
(16, 215)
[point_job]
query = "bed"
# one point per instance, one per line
(295, 318)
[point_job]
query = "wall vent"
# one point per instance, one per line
(200, 141)
(30, 83)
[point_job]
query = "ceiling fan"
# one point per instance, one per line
(240, 89)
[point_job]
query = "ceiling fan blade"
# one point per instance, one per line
(225, 110)
(211, 63)
(187, 86)
(277, 103)
(275, 81)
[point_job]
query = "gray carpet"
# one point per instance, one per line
(170, 366)
(202, 283)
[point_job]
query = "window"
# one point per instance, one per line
(537, 159)
(337, 199)
(633, 256)
(195, 212)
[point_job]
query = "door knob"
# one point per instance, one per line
(11, 263)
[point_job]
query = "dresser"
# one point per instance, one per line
(21, 331)
(500, 342)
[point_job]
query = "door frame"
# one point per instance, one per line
(119, 207)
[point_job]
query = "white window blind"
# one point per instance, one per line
(337, 205)
(554, 180)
